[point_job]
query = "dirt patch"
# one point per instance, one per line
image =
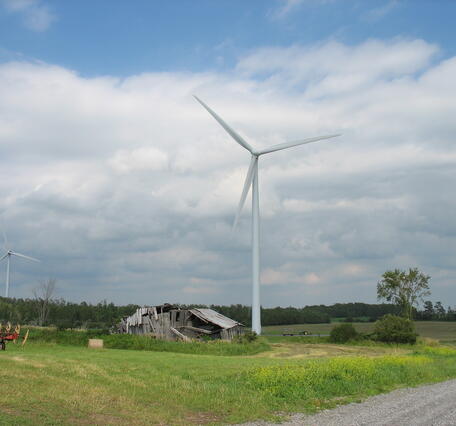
(28, 362)
(201, 418)
(11, 411)
(306, 350)
(99, 419)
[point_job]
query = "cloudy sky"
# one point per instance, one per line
(126, 188)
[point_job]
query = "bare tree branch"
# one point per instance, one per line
(43, 295)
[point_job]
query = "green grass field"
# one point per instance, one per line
(48, 383)
(440, 330)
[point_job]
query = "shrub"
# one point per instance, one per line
(394, 329)
(63, 325)
(343, 333)
(427, 341)
(247, 337)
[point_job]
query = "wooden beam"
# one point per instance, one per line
(200, 330)
(179, 334)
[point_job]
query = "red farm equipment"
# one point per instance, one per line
(8, 334)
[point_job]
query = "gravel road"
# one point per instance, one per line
(430, 405)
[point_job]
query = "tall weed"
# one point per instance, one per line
(145, 343)
(329, 378)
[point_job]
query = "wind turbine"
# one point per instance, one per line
(251, 180)
(7, 256)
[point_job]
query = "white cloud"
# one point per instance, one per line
(285, 276)
(35, 13)
(150, 159)
(380, 12)
(286, 7)
(360, 204)
(128, 188)
(332, 67)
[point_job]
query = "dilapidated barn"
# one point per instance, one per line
(169, 322)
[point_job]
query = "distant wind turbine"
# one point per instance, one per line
(252, 181)
(7, 256)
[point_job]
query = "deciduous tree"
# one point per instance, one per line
(404, 289)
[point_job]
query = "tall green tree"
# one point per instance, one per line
(428, 312)
(439, 310)
(404, 289)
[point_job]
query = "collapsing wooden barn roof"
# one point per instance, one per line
(211, 316)
(172, 323)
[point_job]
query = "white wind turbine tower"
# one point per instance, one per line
(252, 180)
(7, 256)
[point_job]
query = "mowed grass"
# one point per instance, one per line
(57, 384)
(64, 384)
(445, 331)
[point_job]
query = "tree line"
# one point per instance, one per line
(404, 289)
(435, 312)
(104, 315)
(63, 314)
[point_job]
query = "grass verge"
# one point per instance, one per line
(144, 343)
(57, 384)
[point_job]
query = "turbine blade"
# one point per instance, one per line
(239, 139)
(294, 143)
(3, 257)
(245, 191)
(24, 256)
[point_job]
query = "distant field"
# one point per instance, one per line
(355, 319)
(440, 330)
(57, 384)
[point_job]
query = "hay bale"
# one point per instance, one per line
(95, 343)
